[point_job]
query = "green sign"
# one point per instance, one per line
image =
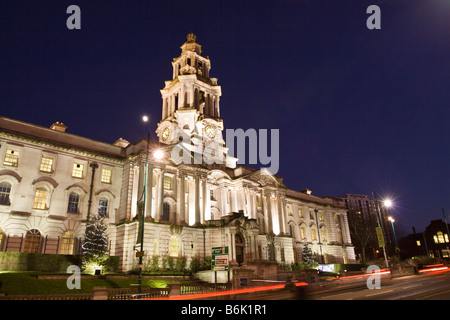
(219, 258)
(380, 237)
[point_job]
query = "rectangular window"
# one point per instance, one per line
(300, 213)
(40, 199)
(289, 211)
(77, 171)
(72, 206)
(11, 158)
(106, 175)
(46, 164)
(168, 183)
(418, 243)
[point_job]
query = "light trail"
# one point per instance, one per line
(227, 292)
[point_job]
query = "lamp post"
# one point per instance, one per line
(380, 225)
(141, 253)
(319, 235)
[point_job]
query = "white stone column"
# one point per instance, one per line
(281, 213)
(134, 192)
(148, 193)
(197, 200)
(160, 186)
(217, 107)
(181, 195)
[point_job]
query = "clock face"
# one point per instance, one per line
(165, 134)
(210, 131)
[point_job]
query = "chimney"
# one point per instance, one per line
(414, 230)
(58, 126)
(121, 143)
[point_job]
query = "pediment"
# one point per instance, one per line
(265, 178)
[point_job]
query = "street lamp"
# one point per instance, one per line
(387, 203)
(141, 253)
(380, 226)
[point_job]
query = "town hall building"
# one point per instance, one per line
(192, 193)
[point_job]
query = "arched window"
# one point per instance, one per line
(67, 243)
(323, 234)
(313, 234)
(166, 212)
(5, 191)
(174, 246)
(303, 232)
(32, 241)
(103, 207)
(72, 206)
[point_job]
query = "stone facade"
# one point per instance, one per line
(51, 181)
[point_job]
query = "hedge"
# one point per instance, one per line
(23, 261)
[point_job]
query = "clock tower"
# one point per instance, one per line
(190, 109)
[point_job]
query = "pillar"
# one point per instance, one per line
(217, 107)
(197, 200)
(181, 198)
(160, 199)
(148, 193)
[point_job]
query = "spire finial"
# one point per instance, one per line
(191, 38)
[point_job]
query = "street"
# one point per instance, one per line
(432, 286)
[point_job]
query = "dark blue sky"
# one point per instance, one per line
(358, 110)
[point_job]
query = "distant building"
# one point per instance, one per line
(364, 217)
(52, 181)
(432, 242)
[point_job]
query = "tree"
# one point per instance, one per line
(361, 232)
(95, 245)
(308, 258)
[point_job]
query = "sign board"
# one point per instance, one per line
(139, 254)
(380, 237)
(219, 259)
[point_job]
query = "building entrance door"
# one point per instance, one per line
(239, 241)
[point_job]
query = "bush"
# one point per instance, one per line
(23, 261)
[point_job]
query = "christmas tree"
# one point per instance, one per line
(95, 245)
(308, 258)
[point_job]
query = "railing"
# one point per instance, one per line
(128, 293)
(203, 288)
(78, 296)
(132, 293)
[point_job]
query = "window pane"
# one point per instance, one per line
(40, 199)
(73, 203)
(5, 190)
(166, 212)
(46, 164)
(106, 175)
(103, 207)
(11, 158)
(67, 243)
(173, 246)
(167, 183)
(440, 236)
(77, 171)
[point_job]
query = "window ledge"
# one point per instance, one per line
(57, 217)
(22, 213)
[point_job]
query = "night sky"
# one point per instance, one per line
(358, 110)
